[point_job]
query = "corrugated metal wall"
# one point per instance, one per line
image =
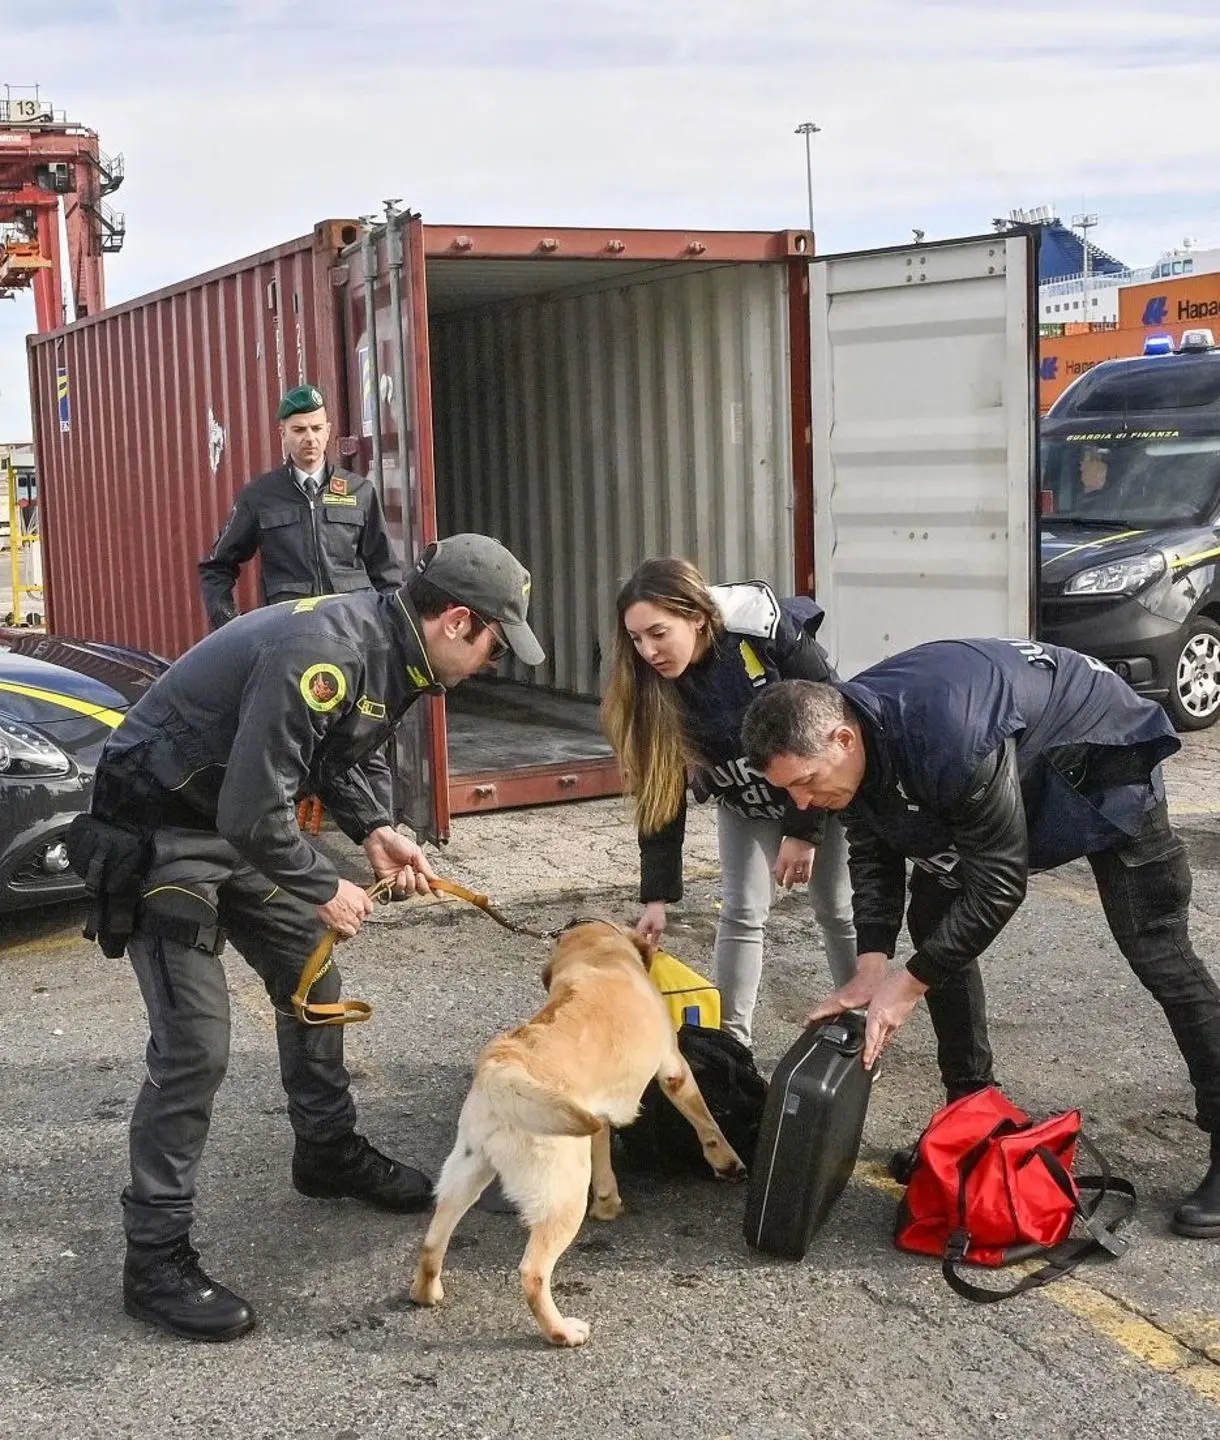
(148, 420)
(590, 431)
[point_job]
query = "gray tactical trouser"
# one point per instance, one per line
(748, 850)
(197, 874)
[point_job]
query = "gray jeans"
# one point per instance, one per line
(198, 877)
(748, 850)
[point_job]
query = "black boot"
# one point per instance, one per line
(1199, 1214)
(351, 1167)
(165, 1285)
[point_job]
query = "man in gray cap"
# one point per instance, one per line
(318, 530)
(192, 840)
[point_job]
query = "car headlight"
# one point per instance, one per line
(1119, 577)
(27, 755)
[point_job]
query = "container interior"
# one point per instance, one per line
(590, 414)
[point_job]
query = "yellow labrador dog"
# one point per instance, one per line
(542, 1092)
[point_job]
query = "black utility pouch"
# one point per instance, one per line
(112, 860)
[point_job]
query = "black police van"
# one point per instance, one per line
(1130, 523)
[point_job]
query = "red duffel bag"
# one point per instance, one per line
(990, 1186)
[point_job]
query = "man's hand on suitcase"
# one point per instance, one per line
(889, 1000)
(857, 994)
(891, 1007)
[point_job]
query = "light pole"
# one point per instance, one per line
(807, 128)
(1084, 223)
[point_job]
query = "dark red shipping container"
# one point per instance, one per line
(146, 415)
(588, 396)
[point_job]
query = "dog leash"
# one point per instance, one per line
(321, 958)
(481, 902)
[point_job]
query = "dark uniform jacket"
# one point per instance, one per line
(764, 640)
(986, 759)
(335, 544)
(280, 703)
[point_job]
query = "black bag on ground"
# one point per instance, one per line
(662, 1140)
(112, 860)
(810, 1136)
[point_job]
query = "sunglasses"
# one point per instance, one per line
(499, 646)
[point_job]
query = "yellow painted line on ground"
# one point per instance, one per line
(42, 947)
(1192, 1360)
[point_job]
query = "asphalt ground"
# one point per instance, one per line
(693, 1334)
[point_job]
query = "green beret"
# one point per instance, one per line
(302, 401)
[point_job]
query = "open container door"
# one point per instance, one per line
(924, 444)
(390, 439)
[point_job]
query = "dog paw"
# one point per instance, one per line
(606, 1207)
(570, 1333)
(427, 1292)
(731, 1169)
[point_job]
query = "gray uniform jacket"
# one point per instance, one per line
(280, 703)
(335, 544)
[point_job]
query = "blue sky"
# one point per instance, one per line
(242, 122)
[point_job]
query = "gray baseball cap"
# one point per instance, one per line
(477, 571)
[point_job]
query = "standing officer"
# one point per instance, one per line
(193, 839)
(981, 760)
(318, 530)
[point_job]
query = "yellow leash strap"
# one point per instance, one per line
(322, 957)
(472, 897)
(352, 1012)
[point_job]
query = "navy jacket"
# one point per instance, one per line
(765, 639)
(986, 759)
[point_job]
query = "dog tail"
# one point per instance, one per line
(529, 1105)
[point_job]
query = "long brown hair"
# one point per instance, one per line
(640, 712)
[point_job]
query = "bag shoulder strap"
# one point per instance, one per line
(1062, 1259)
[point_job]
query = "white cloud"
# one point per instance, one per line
(242, 124)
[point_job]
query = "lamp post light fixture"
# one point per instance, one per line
(808, 129)
(1084, 223)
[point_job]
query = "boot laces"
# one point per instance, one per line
(368, 1157)
(184, 1258)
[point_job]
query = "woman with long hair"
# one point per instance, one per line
(688, 660)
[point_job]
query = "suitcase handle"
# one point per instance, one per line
(845, 1032)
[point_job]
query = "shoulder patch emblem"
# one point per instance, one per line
(323, 687)
(417, 677)
(373, 709)
(338, 485)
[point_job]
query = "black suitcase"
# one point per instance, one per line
(810, 1136)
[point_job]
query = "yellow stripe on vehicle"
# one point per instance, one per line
(66, 702)
(1093, 544)
(1184, 560)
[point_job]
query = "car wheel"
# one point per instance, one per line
(1194, 686)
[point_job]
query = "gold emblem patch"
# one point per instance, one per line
(338, 485)
(323, 687)
(418, 678)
